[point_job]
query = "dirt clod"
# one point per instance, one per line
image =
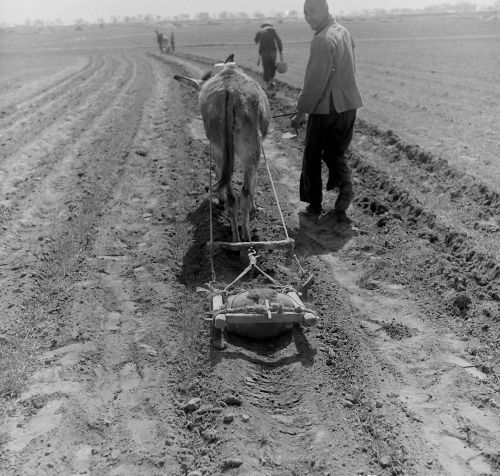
(192, 405)
(231, 400)
(232, 463)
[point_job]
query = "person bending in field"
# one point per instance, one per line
(172, 42)
(330, 98)
(160, 40)
(269, 44)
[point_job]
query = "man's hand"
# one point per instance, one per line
(281, 56)
(298, 121)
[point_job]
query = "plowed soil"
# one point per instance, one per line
(106, 360)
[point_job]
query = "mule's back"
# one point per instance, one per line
(232, 88)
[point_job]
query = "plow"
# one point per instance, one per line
(260, 312)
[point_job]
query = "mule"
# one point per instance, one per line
(236, 114)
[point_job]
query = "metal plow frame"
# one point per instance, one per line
(256, 245)
(224, 317)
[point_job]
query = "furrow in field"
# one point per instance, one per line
(479, 263)
(56, 107)
(76, 308)
(24, 171)
(41, 96)
(428, 82)
(44, 196)
(458, 198)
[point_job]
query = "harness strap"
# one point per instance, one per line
(252, 255)
(274, 191)
(210, 212)
(278, 204)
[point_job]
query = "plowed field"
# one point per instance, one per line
(106, 363)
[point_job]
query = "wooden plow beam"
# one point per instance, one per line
(256, 245)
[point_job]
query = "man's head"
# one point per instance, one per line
(316, 12)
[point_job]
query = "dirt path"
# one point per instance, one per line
(106, 363)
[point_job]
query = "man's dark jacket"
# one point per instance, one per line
(268, 39)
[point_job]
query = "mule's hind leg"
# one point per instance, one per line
(247, 199)
(232, 208)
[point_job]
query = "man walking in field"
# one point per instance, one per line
(161, 41)
(269, 43)
(172, 42)
(330, 97)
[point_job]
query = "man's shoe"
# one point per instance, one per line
(341, 217)
(314, 209)
(344, 199)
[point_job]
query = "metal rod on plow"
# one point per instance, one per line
(238, 316)
(264, 245)
(284, 115)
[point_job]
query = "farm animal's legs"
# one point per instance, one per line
(232, 208)
(247, 198)
(217, 159)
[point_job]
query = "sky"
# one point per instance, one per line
(17, 11)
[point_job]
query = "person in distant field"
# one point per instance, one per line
(160, 40)
(269, 44)
(166, 45)
(330, 98)
(172, 42)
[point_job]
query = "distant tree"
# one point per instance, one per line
(259, 15)
(465, 7)
(242, 15)
(225, 16)
(79, 23)
(202, 16)
(114, 19)
(39, 23)
(182, 17)
(295, 14)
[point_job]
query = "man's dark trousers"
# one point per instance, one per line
(269, 64)
(328, 137)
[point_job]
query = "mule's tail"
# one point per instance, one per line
(227, 144)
